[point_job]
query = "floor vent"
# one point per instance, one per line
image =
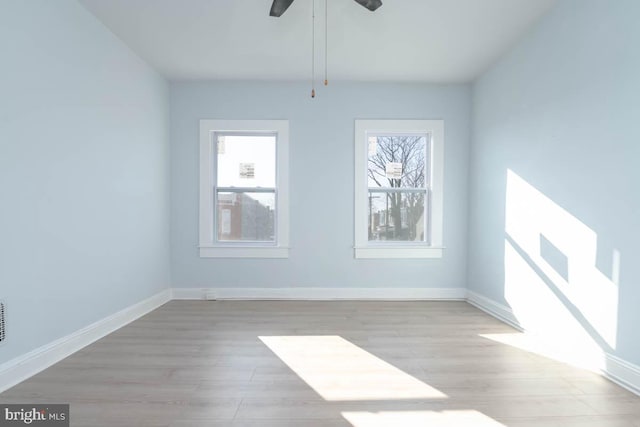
(2, 322)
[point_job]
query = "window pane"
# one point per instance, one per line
(246, 217)
(397, 161)
(397, 216)
(246, 161)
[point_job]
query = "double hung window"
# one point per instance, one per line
(398, 208)
(244, 188)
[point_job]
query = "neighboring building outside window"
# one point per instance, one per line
(244, 210)
(399, 188)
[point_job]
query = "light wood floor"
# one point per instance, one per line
(362, 364)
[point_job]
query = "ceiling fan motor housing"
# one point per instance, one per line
(278, 7)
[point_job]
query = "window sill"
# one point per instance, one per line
(244, 252)
(398, 252)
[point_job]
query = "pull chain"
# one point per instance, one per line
(313, 49)
(326, 38)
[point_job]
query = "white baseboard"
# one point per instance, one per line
(497, 310)
(19, 369)
(327, 294)
(623, 373)
(620, 371)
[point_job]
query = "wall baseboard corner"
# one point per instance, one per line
(189, 293)
(623, 373)
(19, 369)
(499, 311)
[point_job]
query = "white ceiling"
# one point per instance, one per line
(437, 41)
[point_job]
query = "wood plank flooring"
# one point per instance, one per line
(306, 364)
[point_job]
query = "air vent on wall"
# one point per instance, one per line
(2, 322)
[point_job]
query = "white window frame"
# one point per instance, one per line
(364, 248)
(208, 246)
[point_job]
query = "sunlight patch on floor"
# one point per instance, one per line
(339, 370)
(461, 418)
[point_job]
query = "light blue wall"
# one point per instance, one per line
(321, 182)
(562, 111)
(84, 211)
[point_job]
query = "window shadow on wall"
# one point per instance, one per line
(552, 282)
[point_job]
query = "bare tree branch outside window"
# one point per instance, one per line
(397, 214)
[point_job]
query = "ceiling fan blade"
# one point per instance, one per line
(278, 7)
(370, 4)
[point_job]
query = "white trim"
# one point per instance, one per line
(621, 372)
(437, 182)
(327, 294)
(436, 129)
(19, 369)
(244, 252)
(206, 184)
(398, 252)
(497, 310)
(206, 244)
